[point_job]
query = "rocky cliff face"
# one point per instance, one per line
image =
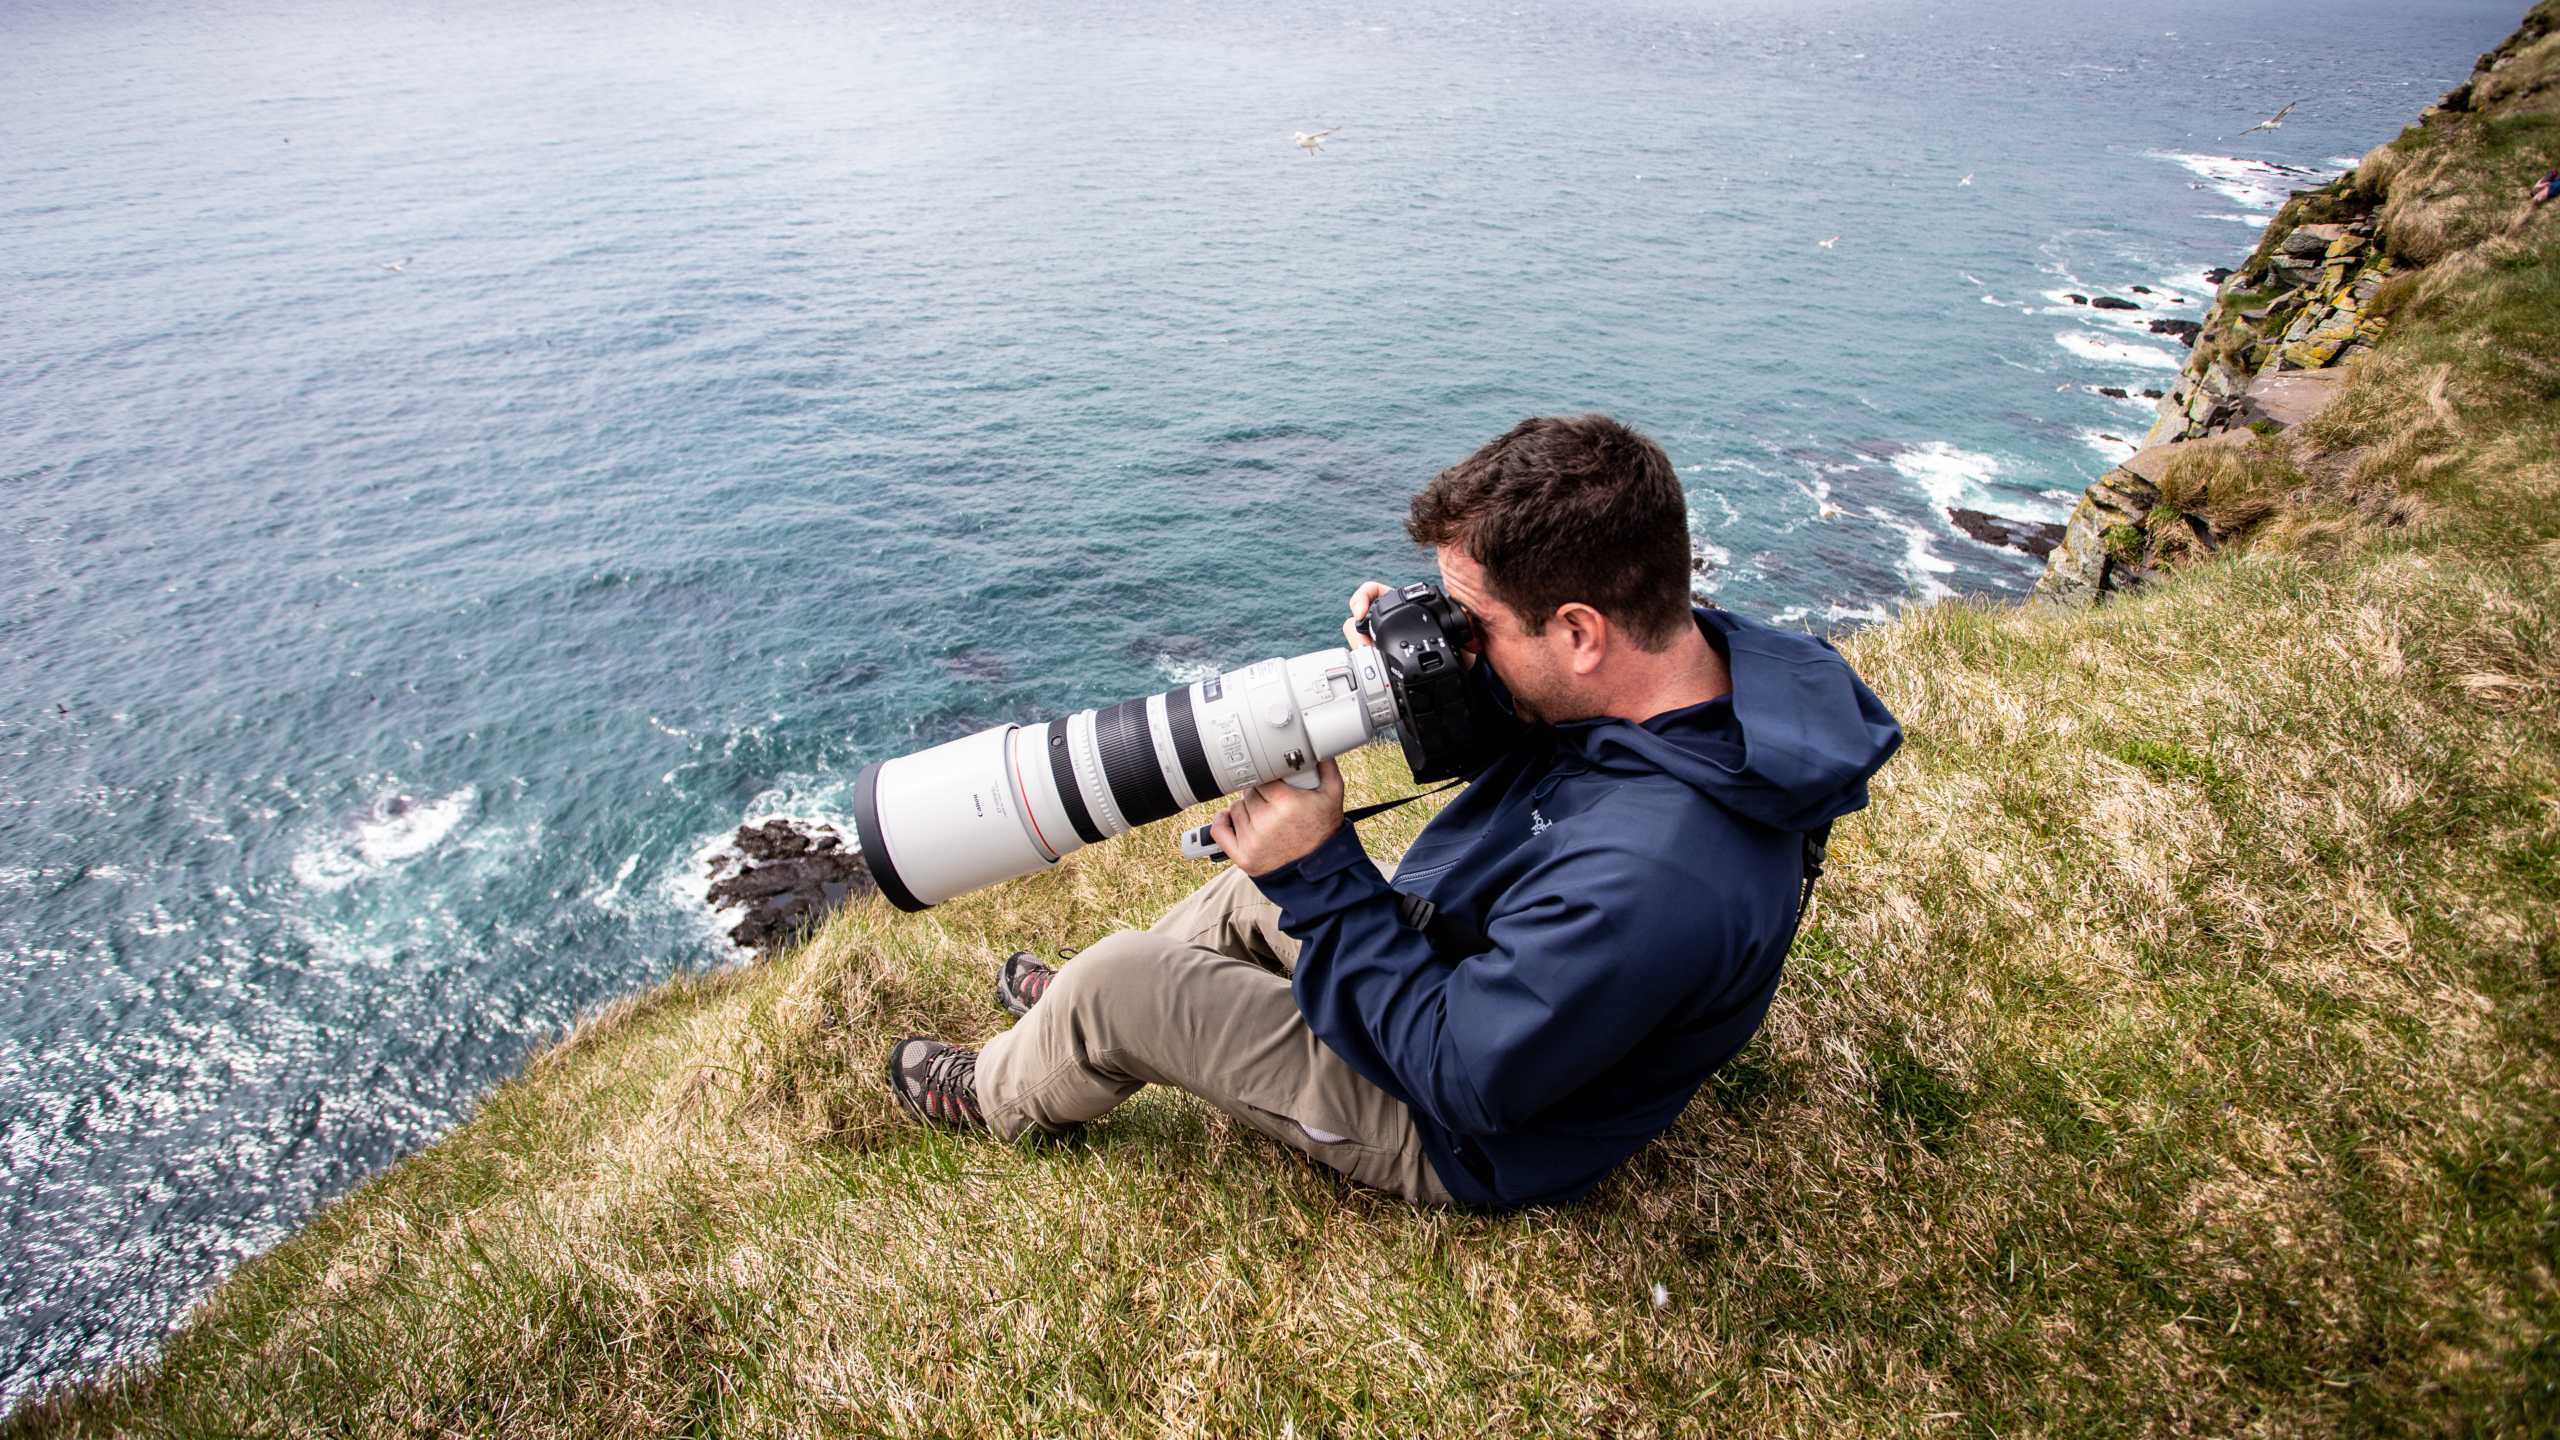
(2269, 355)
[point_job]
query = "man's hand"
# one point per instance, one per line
(1361, 599)
(1275, 823)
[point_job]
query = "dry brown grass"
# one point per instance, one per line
(2459, 179)
(2156, 1060)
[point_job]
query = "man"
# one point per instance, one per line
(1609, 901)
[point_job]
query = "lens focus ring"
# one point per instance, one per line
(1129, 763)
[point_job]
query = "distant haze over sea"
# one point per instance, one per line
(456, 462)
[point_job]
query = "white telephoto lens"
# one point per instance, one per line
(1013, 799)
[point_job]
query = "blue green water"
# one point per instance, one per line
(457, 461)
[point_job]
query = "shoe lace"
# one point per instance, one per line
(1033, 981)
(951, 1080)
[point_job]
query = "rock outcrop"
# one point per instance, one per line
(785, 875)
(2109, 542)
(2034, 537)
(2303, 302)
(2269, 356)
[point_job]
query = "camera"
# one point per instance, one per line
(1013, 799)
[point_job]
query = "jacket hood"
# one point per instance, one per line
(1791, 747)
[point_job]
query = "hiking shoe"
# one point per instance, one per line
(937, 1081)
(1023, 980)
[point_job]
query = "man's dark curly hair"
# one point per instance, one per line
(1563, 509)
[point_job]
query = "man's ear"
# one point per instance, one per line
(1587, 636)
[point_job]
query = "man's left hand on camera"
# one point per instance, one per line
(1276, 824)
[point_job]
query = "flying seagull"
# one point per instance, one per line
(2271, 122)
(1312, 143)
(1827, 244)
(402, 264)
(1967, 180)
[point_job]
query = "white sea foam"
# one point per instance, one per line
(1921, 562)
(2254, 183)
(399, 830)
(2111, 447)
(1708, 579)
(1944, 471)
(1185, 672)
(1835, 612)
(160, 922)
(2254, 222)
(2108, 350)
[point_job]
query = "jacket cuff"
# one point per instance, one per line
(1334, 875)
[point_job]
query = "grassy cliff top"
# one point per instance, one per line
(2172, 1050)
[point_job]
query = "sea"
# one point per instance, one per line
(458, 461)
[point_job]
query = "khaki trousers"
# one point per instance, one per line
(1200, 1001)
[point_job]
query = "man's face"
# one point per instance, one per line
(1539, 686)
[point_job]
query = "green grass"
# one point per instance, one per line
(2172, 1050)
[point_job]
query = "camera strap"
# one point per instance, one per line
(1355, 816)
(1817, 848)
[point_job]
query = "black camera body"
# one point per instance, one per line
(1448, 726)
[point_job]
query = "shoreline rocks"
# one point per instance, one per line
(2032, 537)
(786, 875)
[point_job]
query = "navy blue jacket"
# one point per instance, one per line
(1638, 884)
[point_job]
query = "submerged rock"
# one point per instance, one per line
(786, 875)
(2076, 298)
(2033, 537)
(2115, 392)
(2110, 302)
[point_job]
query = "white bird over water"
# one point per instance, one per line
(396, 268)
(1967, 180)
(2271, 122)
(1312, 142)
(1827, 244)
